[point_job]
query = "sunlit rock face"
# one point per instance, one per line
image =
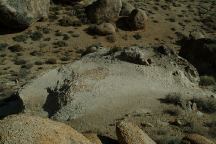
(23, 13)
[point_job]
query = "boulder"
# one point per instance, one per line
(102, 29)
(137, 19)
(128, 133)
(23, 13)
(127, 8)
(196, 139)
(201, 52)
(133, 55)
(108, 82)
(104, 10)
(26, 129)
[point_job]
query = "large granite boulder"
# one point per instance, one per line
(108, 82)
(22, 13)
(26, 129)
(104, 10)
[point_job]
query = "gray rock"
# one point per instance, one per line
(23, 13)
(101, 82)
(133, 55)
(104, 10)
(138, 19)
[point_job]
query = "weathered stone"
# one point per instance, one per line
(22, 13)
(104, 10)
(128, 133)
(138, 19)
(133, 55)
(26, 129)
(106, 78)
(197, 139)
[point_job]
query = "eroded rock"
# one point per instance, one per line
(104, 10)
(23, 13)
(138, 19)
(105, 79)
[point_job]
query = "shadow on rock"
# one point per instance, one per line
(11, 105)
(57, 97)
(107, 140)
(6, 30)
(123, 24)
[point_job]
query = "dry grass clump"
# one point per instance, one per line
(173, 98)
(206, 104)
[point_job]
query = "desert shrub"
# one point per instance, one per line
(206, 104)
(20, 38)
(169, 140)
(66, 37)
(27, 66)
(3, 46)
(35, 36)
(65, 58)
(137, 36)
(15, 48)
(173, 112)
(193, 124)
(207, 80)
(60, 44)
(39, 63)
(19, 61)
(111, 38)
(51, 61)
(68, 21)
(173, 98)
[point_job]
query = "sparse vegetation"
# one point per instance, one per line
(173, 111)
(207, 80)
(3, 46)
(206, 104)
(35, 36)
(51, 61)
(173, 98)
(16, 48)
(169, 140)
(21, 38)
(60, 44)
(19, 61)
